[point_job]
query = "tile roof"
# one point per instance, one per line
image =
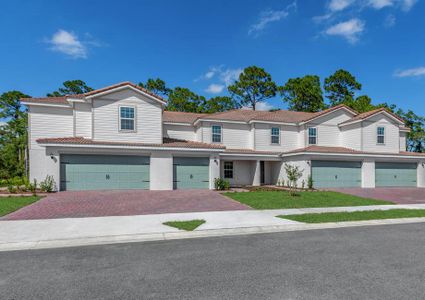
(249, 151)
(63, 99)
(181, 117)
(371, 113)
(168, 143)
(342, 150)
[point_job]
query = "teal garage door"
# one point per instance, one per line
(103, 172)
(191, 172)
(334, 174)
(395, 174)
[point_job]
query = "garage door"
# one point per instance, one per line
(100, 172)
(395, 174)
(191, 172)
(329, 174)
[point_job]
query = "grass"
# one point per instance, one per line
(282, 199)
(357, 215)
(185, 225)
(11, 204)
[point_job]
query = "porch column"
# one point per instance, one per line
(257, 173)
(214, 169)
(421, 174)
(368, 174)
(161, 171)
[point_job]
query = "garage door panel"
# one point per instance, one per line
(396, 174)
(96, 172)
(327, 174)
(191, 173)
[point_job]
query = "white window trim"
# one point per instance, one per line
(212, 134)
(271, 136)
(224, 170)
(308, 135)
(377, 135)
(134, 119)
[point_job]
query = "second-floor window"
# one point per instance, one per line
(127, 118)
(380, 135)
(216, 134)
(312, 136)
(275, 135)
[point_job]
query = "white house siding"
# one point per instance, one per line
(242, 172)
(328, 132)
(421, 174)
(49, 122)
(161, 171)
(148, 118)
(83, 120)
(279, 173)
(43, 162)
(351, 136)
(180, 132)
(403, 141)
(288, 138)
(236, 136)
(392, 135)
(368, 174)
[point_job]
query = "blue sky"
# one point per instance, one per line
(204, 44)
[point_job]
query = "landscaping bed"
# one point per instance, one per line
(356, 215)
(305, 199)
(11, 204)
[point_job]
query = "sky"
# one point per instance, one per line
(205, 44)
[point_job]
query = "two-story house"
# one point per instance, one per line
(120, 137)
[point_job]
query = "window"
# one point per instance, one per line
(275, 134)
(127, 118)
(380, 135)
(312, 136)
(216, 134)
(228, 169)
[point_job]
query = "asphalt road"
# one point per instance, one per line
(379, 262)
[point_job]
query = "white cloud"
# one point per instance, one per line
(338, 5)
(350, 30)
(414, 72)
(379, 4)
(214, 88)
(406, 5)
(270, 16)
(390, 21)
(68, 43)
(264, 106)
(229, 76)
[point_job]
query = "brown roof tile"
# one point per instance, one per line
(168, 143)
(342, 150)
(371, 113)
(249, 151)
(181, 117)
(63, 99)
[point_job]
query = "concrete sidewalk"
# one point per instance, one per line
(51, 233)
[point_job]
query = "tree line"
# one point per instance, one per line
(253, 86)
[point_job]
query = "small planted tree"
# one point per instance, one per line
(294, 174)
(310, 182)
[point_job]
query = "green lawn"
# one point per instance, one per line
(357, 215)
(10, 204)
(185, 225)
(282, 199)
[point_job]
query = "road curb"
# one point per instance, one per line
(134, 238)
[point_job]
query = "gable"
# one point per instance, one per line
(333, 118)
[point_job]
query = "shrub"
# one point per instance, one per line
(221, 184)
(12, 189)
(294, 174)
(48, 184)
(303, 184)
(310, 182)
(33, 187)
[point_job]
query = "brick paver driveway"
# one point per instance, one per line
(124, 203)
(397, 195)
